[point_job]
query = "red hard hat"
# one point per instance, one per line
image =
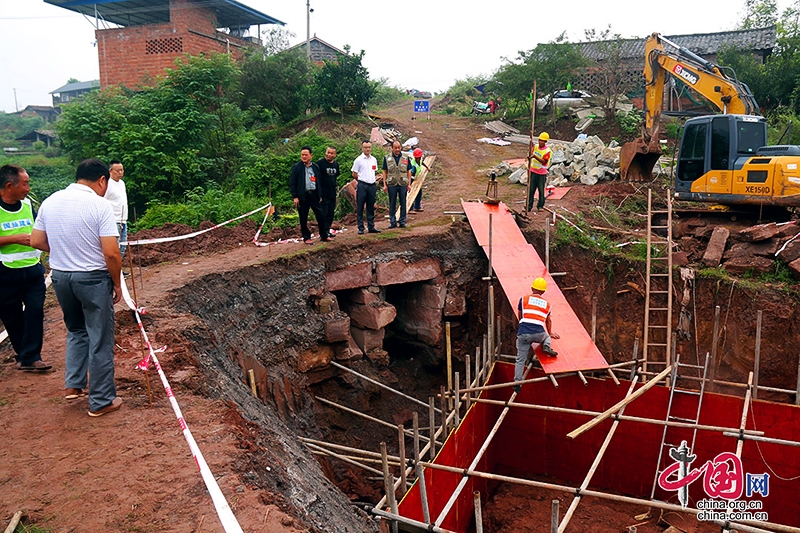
(417, 152)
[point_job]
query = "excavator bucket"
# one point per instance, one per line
(637, 159)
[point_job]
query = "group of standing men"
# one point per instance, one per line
(313, 186)
(81, 230)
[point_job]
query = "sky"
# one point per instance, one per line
(426, 46)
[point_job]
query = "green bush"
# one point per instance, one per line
(630, 121)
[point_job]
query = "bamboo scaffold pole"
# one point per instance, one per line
(343, 458)
(363, 415)
(379, 384)
(410, 521)
(387, 480)
(599, 457)
(611, 410)
(747, 525)
(478, 456)
(655, 421)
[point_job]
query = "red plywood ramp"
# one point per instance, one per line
(516, 264)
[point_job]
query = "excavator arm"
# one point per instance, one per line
(723, 90)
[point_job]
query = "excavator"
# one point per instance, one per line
(722, 158)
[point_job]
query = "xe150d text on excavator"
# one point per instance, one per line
(722, 158)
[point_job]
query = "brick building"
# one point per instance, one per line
(150, 34)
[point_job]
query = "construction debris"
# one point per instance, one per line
(500, 127)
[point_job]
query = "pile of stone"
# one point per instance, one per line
(753, 249)
(585, 160)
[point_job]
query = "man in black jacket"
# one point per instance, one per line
(307, 193)
(329, 174)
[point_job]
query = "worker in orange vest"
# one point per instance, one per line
(535, 326)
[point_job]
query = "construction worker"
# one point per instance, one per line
(416, 168)
(539, 162)
(534, 327)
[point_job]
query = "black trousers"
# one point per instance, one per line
(365, 197)
(311, 201)
(397, 192)
(537, 184)
(328, 208)
(25, 328)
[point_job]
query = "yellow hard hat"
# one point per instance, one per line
(539, 284)
(544, 136)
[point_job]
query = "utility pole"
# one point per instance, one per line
(308, 29)
(16, 105)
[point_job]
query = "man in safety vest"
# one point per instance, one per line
(396, 183)
(540, 161)
(416, 168)
(21, 273)
(534, 327)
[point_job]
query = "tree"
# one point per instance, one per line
(343, 84)
(759, 14)
(610, 71)
(279, 83)
(178, 135)
(275, 39)
(552, 65)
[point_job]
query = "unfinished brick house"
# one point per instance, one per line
(138, 39)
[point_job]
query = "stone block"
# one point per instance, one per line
(364, 296)
(716, 247)
(352, 277)
(455, 303)
(754, 264)
(347, 351)
(367, 339)
(791, 252)
(399, 271)
(759, 233)
(376, 315)
(378, 356)
(704, 232)
(794, 267)
(315, 357)
(432, 296)
(680, 259)
(327, 303)
(788, 229)
(337, 329)
(746, 249)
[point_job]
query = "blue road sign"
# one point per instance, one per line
(422, 106)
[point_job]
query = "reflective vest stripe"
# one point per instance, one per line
(534, 310)
(19, 256)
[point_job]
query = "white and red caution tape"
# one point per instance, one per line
(196, 233)
(226, 516)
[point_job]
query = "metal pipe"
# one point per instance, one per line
(357, 413)
(554, 517)
(401, 441)
(378, 383)
(672, 423)
(423, 492)
(757, 356)
(389, 486)
(714, 339)
(614, 497)
(432, 421)
(476, 502)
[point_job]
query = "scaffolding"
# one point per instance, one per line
(414, 474)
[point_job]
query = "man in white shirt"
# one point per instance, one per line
(117, 194)
(77, 226)
(363, 171)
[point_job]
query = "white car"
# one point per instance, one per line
(564, 98)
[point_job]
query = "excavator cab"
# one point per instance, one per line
(712, 148)
(724, 159)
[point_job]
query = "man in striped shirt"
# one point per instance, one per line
(77, 226)
(535, 326)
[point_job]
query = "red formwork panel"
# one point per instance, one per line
(533, 444)
(516, 265)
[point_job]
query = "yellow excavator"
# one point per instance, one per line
(722, 158)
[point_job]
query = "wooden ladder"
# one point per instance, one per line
(658, 292)
(669, 438)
